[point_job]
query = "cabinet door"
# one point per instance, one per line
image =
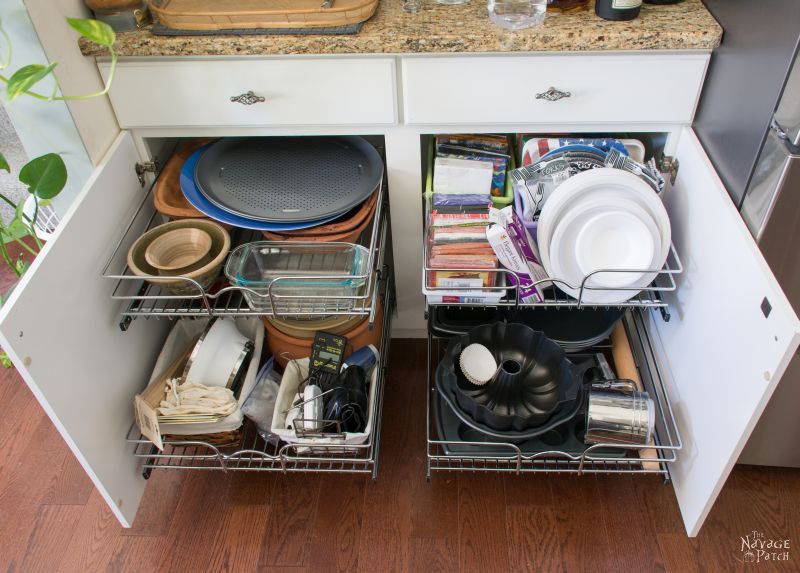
(61, 330)
(730, 338)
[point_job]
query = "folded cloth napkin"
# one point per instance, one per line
(190, 398)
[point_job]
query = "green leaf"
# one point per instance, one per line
(26, 77)
(22, 265)
(19, 215)
(4, 163)
(19, 212)
(98, 32)
(8, 238)
(5, 361)
(17, 229)
(45, 176)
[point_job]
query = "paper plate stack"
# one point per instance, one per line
(604, 235)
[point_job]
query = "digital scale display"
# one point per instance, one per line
(327, 352)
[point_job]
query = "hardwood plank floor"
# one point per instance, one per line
(51, 519)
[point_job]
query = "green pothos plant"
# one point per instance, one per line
(44, 176)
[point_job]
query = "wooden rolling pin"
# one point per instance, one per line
(626, 369)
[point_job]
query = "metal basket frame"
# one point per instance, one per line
(256, 454)
(667, 437)
(144, 298)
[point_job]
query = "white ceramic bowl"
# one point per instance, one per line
(218, 355)
(576, 242)
(613, 239)
(598, 238)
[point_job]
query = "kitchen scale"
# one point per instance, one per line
(327, 355)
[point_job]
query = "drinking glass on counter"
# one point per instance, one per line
(517, 14)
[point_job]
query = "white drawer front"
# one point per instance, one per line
(297, 91)
(606, 88)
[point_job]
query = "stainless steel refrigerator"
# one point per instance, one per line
(749, 122)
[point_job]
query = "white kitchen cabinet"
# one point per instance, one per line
(730, 337)
(731, 334)
(299, 91)
(608, 88)
(61, 329)
(70, 348)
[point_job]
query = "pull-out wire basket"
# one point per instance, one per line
(506, 291)
(467, 455)
(143, 297)
(254, 453)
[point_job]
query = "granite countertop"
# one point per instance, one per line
(438, 28)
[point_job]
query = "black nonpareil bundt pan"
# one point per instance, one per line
(535, 380)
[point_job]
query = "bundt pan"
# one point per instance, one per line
(534, 378)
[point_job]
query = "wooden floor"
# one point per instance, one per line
(51, 518)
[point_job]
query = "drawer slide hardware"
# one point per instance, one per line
(248, 98)
(146, 167)
(669, 166)
(553, 94)
(779, 131)
(784, 136)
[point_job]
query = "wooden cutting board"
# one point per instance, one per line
(250, 14)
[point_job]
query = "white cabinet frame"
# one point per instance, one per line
(721, 354)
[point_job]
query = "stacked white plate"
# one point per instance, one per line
(602, 220)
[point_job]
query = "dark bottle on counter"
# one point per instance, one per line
(567, 6)
(617, 9)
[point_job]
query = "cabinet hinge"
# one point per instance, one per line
(669, 167)
(146, 167)
(779, 131)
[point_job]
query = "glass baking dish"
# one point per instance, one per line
(293, 276)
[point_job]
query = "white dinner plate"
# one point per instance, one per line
(578, 248)
(572, 266)
(615, 188)
(614, 239)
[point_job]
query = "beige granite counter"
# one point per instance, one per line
(439, 28)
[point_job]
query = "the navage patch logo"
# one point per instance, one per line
(757, 548)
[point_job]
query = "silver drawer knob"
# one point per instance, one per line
(248, 98)
(553, 94)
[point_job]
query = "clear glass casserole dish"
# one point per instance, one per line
(293, 276)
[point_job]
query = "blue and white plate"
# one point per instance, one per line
(575, 148)
(199, 202)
